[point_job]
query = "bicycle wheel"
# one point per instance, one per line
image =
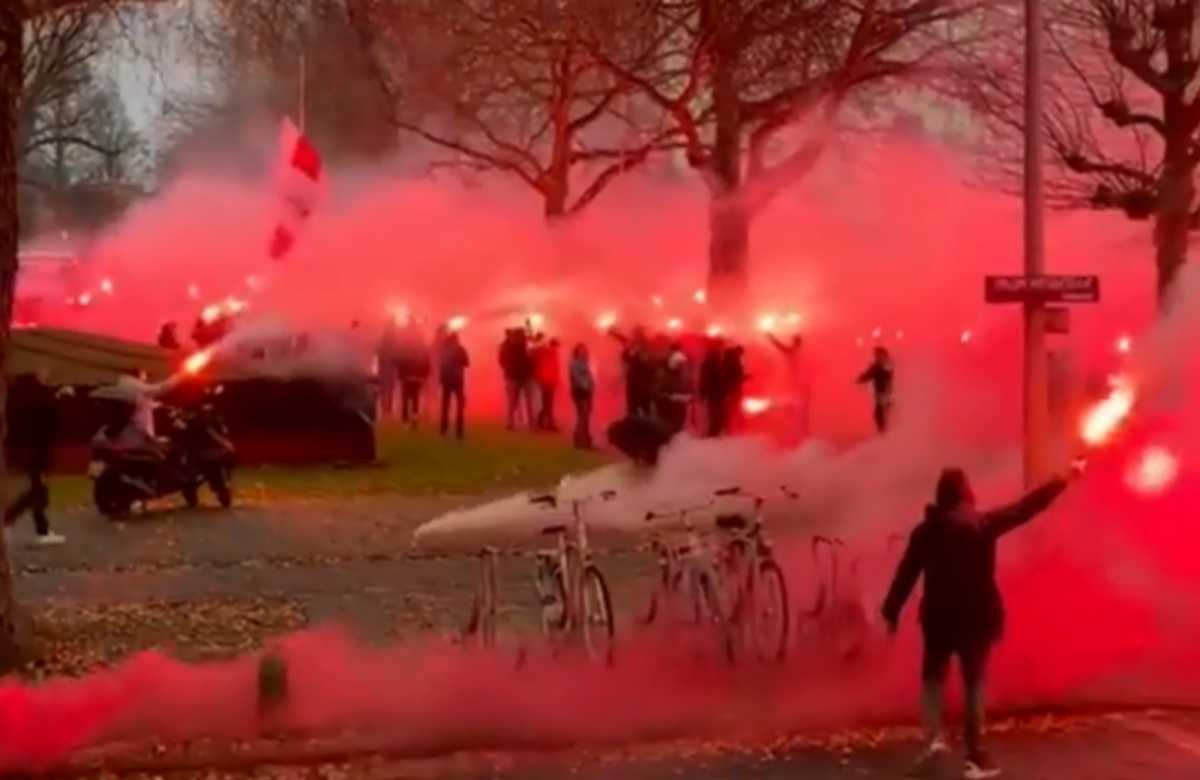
(552, 598)
(709, 604)
(598, 624)
(771, 614)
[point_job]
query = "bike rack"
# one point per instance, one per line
(484, 613)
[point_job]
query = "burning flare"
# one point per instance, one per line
(1105, 417)
(197, 362)
(457, 323)
(756, 406)
(606, 321)
(767, 322)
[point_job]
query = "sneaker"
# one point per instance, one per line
(48, 540)
(930, 762)
(981, 767)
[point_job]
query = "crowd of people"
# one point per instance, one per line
(672, 381)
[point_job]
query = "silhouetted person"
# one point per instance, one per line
(639, 377)
(880, 375)
(33, 425)
(453, 365)
(413, 365)
(712, 388)
(387, 359)
(516, 362)
(733, 378)
(547, 372)
(961, 613)
(675, 390)
(583, 394)
(792, 351)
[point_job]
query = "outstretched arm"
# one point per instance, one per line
(1000, 521)
(867, 375)
(907, 573)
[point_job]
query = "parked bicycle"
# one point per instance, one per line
(690, 587)
(761, 610)
(573, 595)
(837, 617)
(734, 585)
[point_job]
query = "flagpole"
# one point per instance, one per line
(303, 108)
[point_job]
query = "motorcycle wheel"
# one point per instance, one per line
(110, 496)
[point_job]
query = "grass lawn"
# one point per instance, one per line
(413, 463)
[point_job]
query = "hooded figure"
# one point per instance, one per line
(961, 612)
(881, 376)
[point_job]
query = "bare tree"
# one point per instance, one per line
(14, 16)
(747, 72)
(512, 87)
(1122, 112)
(270, 56)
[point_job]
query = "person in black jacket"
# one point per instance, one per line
(33, 424)
(880, 375)
(712, 388)
(962, 613)
(454, 362)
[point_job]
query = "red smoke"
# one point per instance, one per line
(1102, 592)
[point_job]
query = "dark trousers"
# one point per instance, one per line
(36, 500)
(387, 388)
(410, 400)
(883, 415)
(453, 392)
(583, 421)
(716, 416)
(972, 660)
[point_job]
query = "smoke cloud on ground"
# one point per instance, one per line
(1102, 592)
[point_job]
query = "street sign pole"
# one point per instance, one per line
(1036, 397)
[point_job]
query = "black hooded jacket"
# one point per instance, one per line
(956, 551)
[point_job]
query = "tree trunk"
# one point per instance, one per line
(729, 221)
(11, 54)
(1172, 219)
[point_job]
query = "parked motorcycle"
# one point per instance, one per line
(127, 467)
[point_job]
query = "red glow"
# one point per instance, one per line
(1153, 472)
(106, 286)
(606, 321)
(700, 296)
(1124, 345)
(457, 323)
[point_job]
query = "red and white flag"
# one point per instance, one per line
(300, 180)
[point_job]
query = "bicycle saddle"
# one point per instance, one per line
(731, 522)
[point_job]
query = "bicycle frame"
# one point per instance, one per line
(566, 565)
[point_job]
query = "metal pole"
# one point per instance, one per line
(1036, 411)
(303, 108)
